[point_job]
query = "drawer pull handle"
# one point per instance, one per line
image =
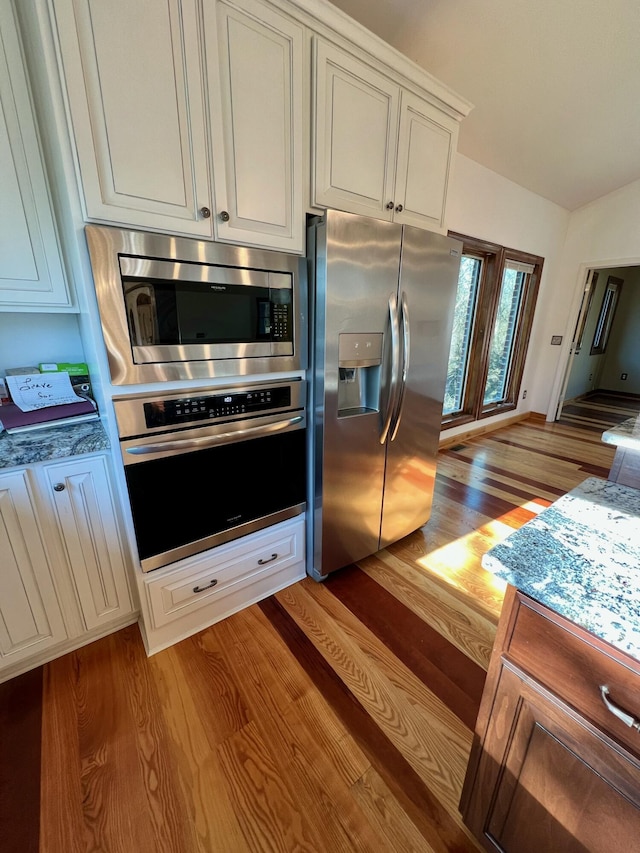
(626, 718)
(270, 560)
(208, 586)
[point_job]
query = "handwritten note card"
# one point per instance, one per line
(31, 391)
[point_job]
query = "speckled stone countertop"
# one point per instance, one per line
(56, 442)
(581, 558)
(626, 434)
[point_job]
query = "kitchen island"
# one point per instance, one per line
(555, 763)
(626, 463)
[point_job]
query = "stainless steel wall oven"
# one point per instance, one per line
(210, 466)
(174, 308)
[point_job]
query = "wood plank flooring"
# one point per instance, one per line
(329, 717)
(599, 410)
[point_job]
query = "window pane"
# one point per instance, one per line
(500, 355)
(460, 339)
(605, 318)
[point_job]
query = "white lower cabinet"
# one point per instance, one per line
(30, 615)
(63, 576)
(87, 522)
(202, 590)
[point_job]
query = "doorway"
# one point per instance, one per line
(603, 370)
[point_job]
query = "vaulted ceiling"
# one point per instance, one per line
(555, 84)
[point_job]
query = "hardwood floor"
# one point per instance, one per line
(329, 717)
(599, 410)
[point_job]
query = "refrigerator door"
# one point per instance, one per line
(428, 282)
(357, 261)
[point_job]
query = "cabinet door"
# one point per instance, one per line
(355, 130)
(87, 520)
(255, 75)
(30, 616)
(133, 77)
(31, 270)
(426, 142)
(548, 780)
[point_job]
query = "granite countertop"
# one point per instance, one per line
(626, 434)
(581, 558)
(55, 442)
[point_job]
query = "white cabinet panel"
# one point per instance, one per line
(255, 78)
(87, 522)
(133, 80)
(31, 270)
(201, 590)
(30, 617)
(426, 143)
(380, 149)
(356, 121)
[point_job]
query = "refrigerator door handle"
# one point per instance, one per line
(404, 315)
(394, 324)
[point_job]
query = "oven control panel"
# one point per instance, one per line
(182, 410)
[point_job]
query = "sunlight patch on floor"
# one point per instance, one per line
(452, 562)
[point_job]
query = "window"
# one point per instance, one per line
(497, 290)
(605, 318)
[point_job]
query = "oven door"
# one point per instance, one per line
(193, 489)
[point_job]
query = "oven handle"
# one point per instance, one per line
(180, 445)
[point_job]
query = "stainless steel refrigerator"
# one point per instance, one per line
(382, 305)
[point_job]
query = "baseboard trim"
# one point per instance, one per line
(483, 428)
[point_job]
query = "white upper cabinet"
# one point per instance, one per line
(255, 77)
(426, 144)
(379, 149)
(134, 87)
(31, 270)
(356, 126)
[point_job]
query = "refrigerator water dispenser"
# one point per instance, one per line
(359, 360)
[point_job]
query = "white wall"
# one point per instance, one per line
(27, 339)
(483, 204)
(605, 233)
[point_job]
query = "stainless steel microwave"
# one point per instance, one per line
(175, 308)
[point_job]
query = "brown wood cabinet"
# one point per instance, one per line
(552, 768)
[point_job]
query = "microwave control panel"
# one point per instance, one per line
(182, 410)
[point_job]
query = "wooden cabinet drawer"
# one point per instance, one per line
(203, 581)
(574, 665)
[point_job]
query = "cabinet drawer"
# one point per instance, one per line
(204, 580)
(574, 665)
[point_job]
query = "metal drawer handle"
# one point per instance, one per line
(626, 718)
(270, 560)
(212, 440)
(208, 586)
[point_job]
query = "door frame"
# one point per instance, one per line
(564, 361)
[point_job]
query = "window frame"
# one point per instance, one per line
(494, 258)
(606, 315)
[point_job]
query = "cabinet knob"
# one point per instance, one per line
(224, 216)
(399, 208)
(205, 213)
(59, 487)
(389, 205)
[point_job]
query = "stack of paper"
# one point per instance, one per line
(41, 400)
